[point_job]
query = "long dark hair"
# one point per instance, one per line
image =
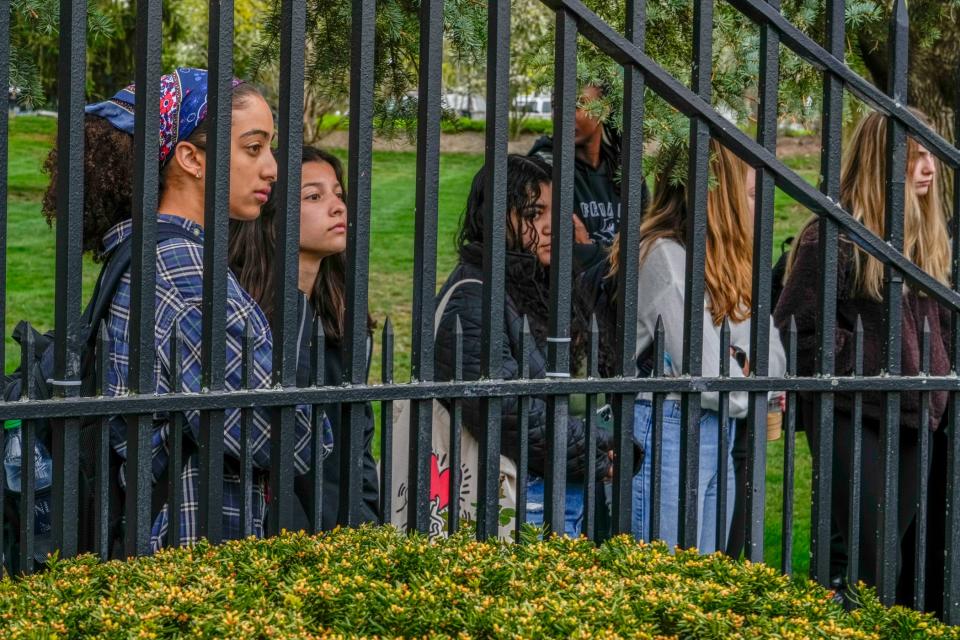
(253, 246)
(527, 281)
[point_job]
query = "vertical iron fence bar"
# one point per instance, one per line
(216, 230)
(697, 186)
(561, 265)
(632, 201)
(4, 155)
(656, 441)
(318, 369)
(951, 577)
(822, 427)
(246, 430)
(494, 236)
(3, 498)
(762, 282)
(386, 424)
(856, 489)
(589, 481)
(896, 159)
(4, 158)
(69, 269)
(101, 486)
(722, 453)
(285, 324)
(789, 456)
(28, 438)
(425, 256)
(456, 428)
(175, 463)
(523, 421)
(353, 417)
(923, 434)
(143, 279)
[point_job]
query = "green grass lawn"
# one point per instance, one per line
(31, 263)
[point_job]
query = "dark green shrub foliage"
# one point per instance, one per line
(373, 581)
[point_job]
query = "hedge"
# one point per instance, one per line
(376, 582)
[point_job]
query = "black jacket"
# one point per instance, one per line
(467, 303)
(333, 375)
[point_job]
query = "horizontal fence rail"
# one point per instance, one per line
(216, 423)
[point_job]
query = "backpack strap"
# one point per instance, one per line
(112, 273)
(446, 299)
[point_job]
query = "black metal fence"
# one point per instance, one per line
(68, 411)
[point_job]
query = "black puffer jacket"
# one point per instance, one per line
(467, 302)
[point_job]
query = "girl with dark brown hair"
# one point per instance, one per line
(322, 268)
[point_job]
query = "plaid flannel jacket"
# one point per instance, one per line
(178, 303)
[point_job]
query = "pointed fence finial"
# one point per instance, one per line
(858, 347)
(658, 348)
(318, 351)
(526, 342)
(725, 348)
(457, 349)
(792, 346)
(386, 361)
(593, 355)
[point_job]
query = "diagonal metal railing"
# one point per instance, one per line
(615, 45)
(695, 102)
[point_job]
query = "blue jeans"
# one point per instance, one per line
(573, 509)
(670, 476)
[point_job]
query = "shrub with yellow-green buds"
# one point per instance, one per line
(377, 582)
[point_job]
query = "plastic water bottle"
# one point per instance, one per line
(13, 453)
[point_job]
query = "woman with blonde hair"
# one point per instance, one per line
(661, 288)
(860, 285)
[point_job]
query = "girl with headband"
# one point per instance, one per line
(179, 291)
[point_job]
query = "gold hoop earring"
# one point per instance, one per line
(198, 174)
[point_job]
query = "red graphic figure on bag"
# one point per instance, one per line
(439, 484)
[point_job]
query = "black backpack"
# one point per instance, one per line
(117, 264)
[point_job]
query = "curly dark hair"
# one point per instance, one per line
(527, 281)
(253, 245)
(107, 182)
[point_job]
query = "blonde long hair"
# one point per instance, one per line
(728, 275)
(862, 179)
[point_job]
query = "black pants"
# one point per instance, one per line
(936, 524)
(871, 488)
(738, 524)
